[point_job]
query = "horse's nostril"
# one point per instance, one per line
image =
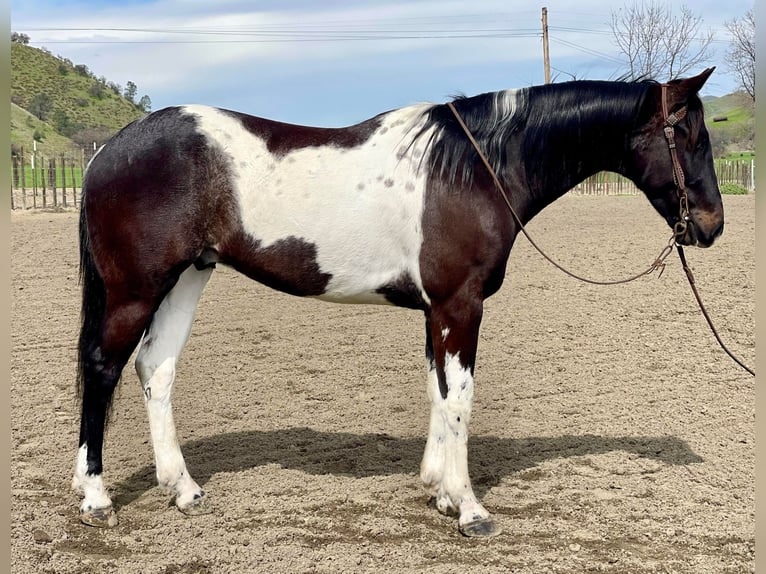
(718, 230)
(707, 239)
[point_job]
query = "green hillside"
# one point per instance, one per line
(735, 106)
(24, 126)
(736, 132)
(63, 98)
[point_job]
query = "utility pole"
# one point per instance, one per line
(546, 53)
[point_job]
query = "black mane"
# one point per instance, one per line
(542, 124)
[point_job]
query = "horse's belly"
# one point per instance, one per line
(365, 248)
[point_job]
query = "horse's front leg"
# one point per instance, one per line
(451, 340)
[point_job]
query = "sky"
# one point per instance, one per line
(338, 62)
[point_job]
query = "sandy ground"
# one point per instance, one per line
(609, 433)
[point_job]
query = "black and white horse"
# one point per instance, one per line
(395, 210)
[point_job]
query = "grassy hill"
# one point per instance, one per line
(65, 95)
(736, 134)
(735, 106)
(23, 128)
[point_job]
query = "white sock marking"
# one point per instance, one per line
(92, 486)
(444, 469)
(156, 367)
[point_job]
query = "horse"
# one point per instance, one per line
(395, 210)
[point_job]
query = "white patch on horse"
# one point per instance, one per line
(92, 486)
(445, 333)
(432, 466)
(156, 367)
(444, 469)
(367, 228)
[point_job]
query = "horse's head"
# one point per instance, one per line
(654, 166)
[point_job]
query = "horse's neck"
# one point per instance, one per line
(569, 147)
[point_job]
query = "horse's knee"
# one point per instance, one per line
(154, 375)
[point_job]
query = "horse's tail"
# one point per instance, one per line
(93, 297)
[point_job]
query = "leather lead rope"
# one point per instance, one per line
(679, 229)
(692, 284)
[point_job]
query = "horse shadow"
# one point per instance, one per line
(316, 452)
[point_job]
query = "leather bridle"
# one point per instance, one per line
(679, 229)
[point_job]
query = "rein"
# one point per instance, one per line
(679, 229)
(692, 284)
(659, 262)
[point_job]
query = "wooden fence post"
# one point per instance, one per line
(52, 180)
(43, 182)
(63, 181)
(82, 170)
(14, 176)
(34, 179)
(23, 181)
(752, 175)
(74, 188)
(15, 171)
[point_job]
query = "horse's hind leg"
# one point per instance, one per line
(156, 367)
(103, 359)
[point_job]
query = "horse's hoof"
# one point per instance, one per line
(484, 528)
(196, 507)
(99, 517)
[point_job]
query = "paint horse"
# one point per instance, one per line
(396, 210)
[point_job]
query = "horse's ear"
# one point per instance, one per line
(689, 86)
(679, 91)
(695, 84)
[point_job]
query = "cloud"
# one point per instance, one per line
(371, 48)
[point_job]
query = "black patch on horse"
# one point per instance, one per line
(403, 292)
(282, 138)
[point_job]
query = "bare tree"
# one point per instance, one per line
(657, 43)
(740, 56)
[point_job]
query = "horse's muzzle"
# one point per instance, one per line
(700, 235)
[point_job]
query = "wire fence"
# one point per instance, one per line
(39, 182)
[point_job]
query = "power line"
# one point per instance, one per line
(444, 28)
(268, 30)
(580, 30)
(589, 51)
(396, 28)
(286, 40)
(282, 35)
(289, 33)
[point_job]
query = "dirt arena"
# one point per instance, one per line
(609, 432)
